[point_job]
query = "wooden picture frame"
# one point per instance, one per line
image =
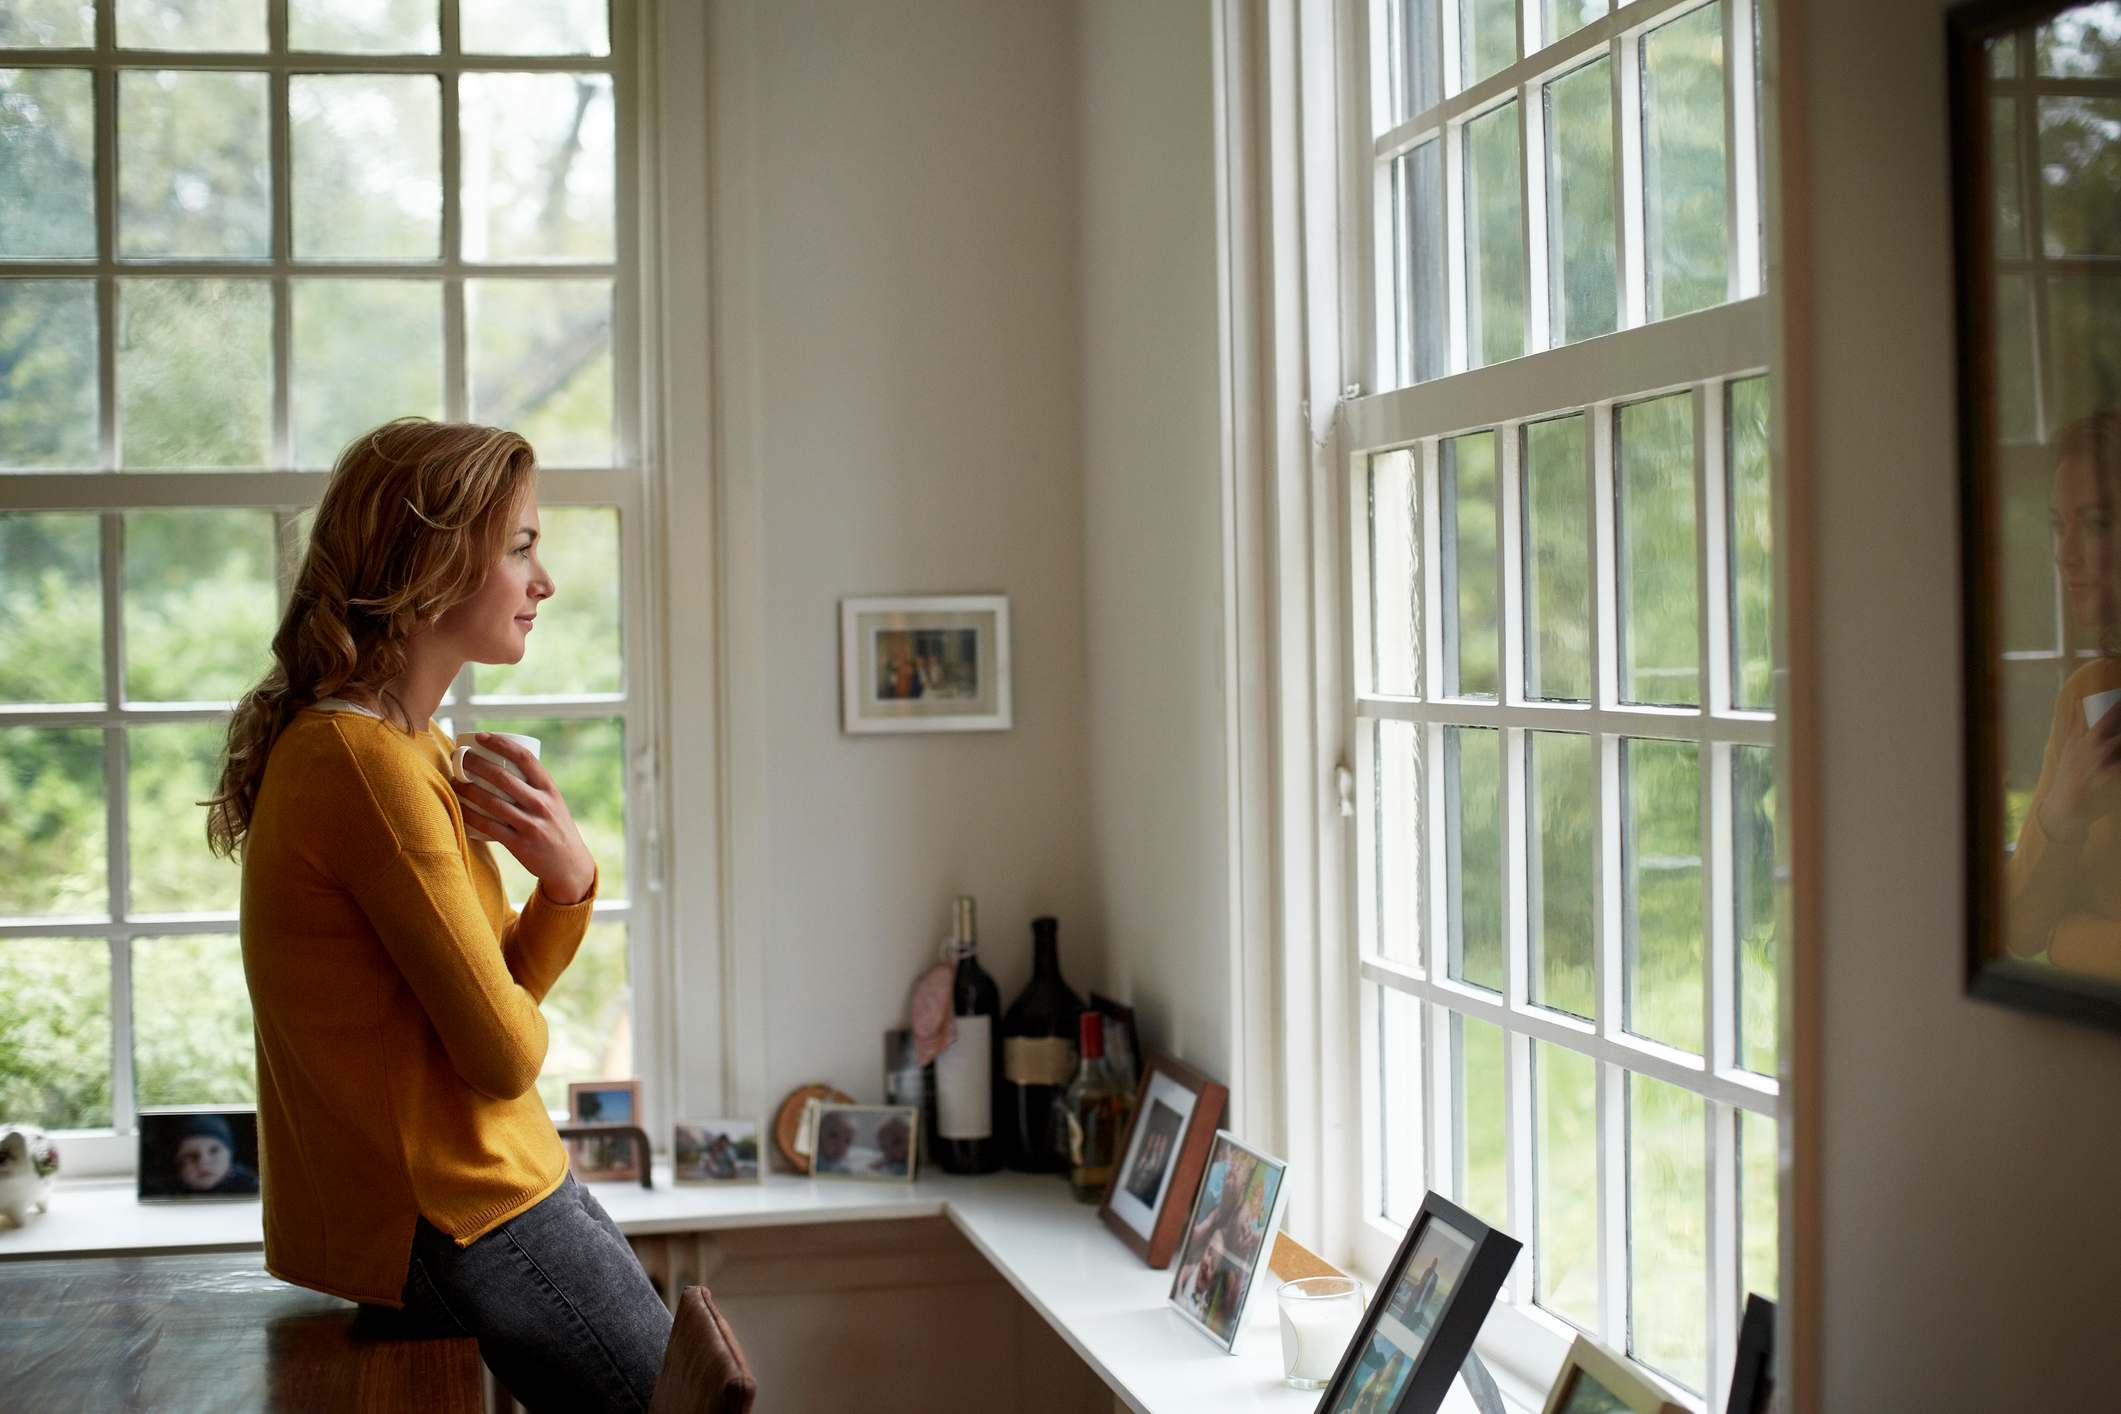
(593, 1159)
(1753, 1372)
(1593, 1380)
(1420, 1325)
(1229, 1238)
(1152, 1228)
(2039, 421)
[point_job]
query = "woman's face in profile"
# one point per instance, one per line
(493, 625)
(2081, 521)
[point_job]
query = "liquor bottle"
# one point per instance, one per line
(1038, 1058)
(969, 1073)
(1095, 1109)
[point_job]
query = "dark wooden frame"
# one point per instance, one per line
(1993, 976)
(1753, 1372)
(1451, 1340)
(1209, 1100)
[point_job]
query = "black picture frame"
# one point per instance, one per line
(1753, 1372)
(1443, 1347)
(1992, 973)
(225, 1168)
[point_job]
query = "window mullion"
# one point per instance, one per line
(116, 799)
(455, 393)
(283, 246)
(1532, 192)
(1723, 1296)
(1460, 293)
(1741, 122)
(1627, 181)
(1613, 1207)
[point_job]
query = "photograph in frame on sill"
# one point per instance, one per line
(715, 1151)
(1162, 1156)
(1235, 1216)
(601, 1158)
(866, 1142)
(1593, 1380)
(190, 1155)
(2036, 179)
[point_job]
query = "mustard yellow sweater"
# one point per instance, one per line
(2063, 899)
(396, 997)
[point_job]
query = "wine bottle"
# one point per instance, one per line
(1039, 1032)
(969, 1073)
(1095, 1109)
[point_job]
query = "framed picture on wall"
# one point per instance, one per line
(1176, 1112)
(2036, 152)
(938, 663)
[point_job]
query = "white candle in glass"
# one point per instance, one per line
(1318, 1319)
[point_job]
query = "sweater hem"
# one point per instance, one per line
(487, 1221)
(394, 1300)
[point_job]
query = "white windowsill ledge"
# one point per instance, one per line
(1100, 1297)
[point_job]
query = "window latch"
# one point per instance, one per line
(1344, 782)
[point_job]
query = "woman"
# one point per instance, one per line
(2064, 890)
(408, 1161)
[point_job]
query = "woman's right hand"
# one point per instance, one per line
(2084, 780)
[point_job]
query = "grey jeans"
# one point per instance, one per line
(562, 1311)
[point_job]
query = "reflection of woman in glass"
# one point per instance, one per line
(2064, 887)
(409, 1159)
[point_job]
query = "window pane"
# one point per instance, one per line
(225, 26)
(1557, 592)
(575, 646)
(51, 608)
(36, 24)
(1401, 1102)
(363, 26)
(1396, 859)
(1682, 162)
(1759, 1258)
(1664, 923)
(587, 759)
(1659, 591)
(1752, 548)
(54, 859)
(1418, 264)
(1395, 575)
(2083, 345)
(1667, 1230)
(1564, 802)
(48, 375)
(366, 150)
(48, 180)
(1415, 57)
(1582, 264)
(2017, 413)
(1473, 628)
(590, 1016)
(55, 1032)
(2003, 56)
(176, 409)
(538, 163)
(2010, 214)
(172, 769)
(1495, 283)
(193, 176)
(1477, 1091)
(2080, 175)
(2084, 42)
(192, 1039)
(1565, 17)
(541, 364)
(200, 604)
(1472, 799)
(1487, 30)
(341, 389)
(1753, 888)
(1565, 1100)
(535, 27)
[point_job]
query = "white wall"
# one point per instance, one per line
(898, 367)
(1969, 1154)
(1153, 517)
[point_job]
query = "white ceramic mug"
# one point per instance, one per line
(456, 769)
(2099, 704)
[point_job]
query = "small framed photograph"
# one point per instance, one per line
(1424, 1316)
(1235, 1215)
(938, 663)
(195, 1154)
(1592, 1381)
(1176, 1113)
(1753, 1372)
(715, 1151)
(873, 1142)
(604, 1102)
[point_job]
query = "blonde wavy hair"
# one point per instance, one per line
(415, 516)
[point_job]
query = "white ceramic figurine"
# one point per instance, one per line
(28, 1162)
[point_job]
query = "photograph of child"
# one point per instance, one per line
(206, 1154)
(1152, 1153)
(1227, 1236)
(865, 1141)
(716, 1151)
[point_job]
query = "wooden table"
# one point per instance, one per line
(207, 1332)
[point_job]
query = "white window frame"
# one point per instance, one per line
(1698, 354)
(632, 485)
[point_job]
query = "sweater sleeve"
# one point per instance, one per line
(2086, 944)
(2038, 880)
(540, 942)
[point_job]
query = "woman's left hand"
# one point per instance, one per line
(527, 817)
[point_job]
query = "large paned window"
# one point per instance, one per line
(1561, 704)
(232, 235)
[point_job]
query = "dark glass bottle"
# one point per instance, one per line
(1095, 1108)
(1038, 1058)
(968, 1075)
